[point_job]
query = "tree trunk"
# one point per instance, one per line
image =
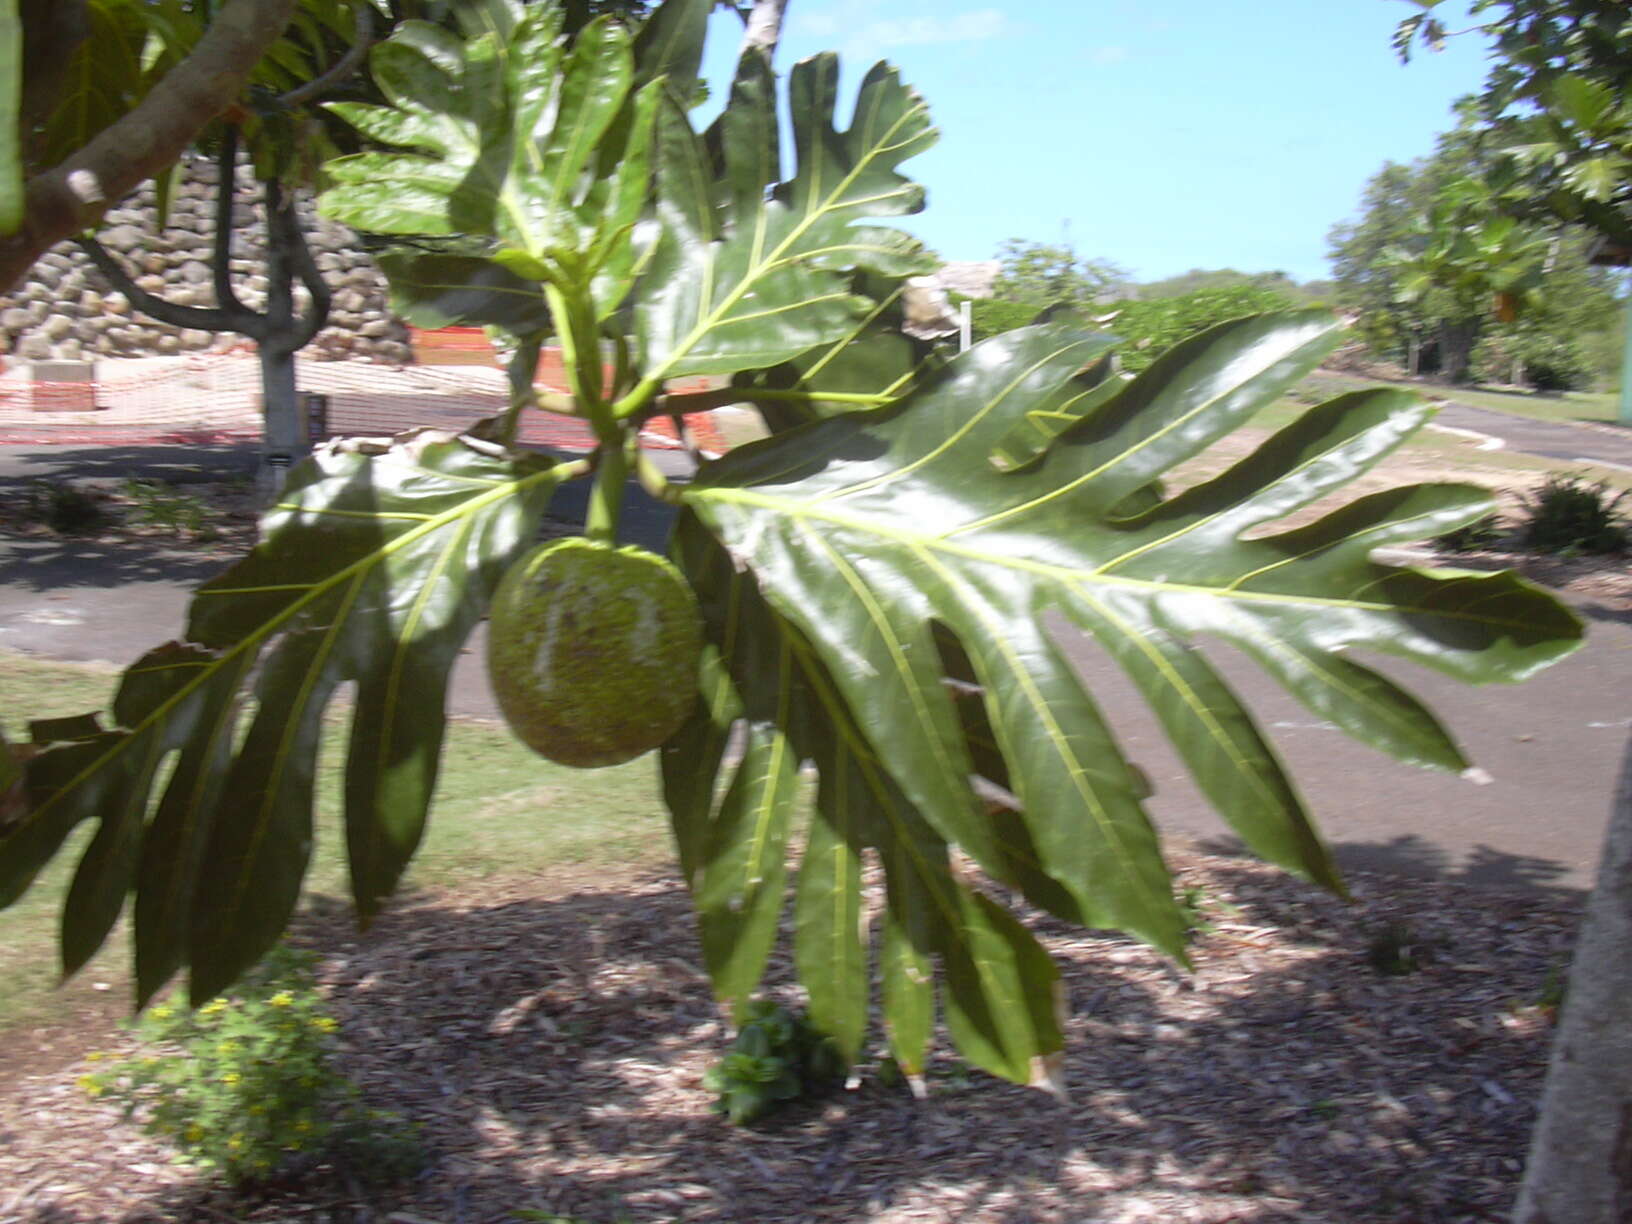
(1580, 1167)
(1456, 339)
(285, 333)
(1413, 356)
(765, 26)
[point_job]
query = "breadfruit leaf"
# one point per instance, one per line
(371, 571)
(903, 567)
(749, 270)
(539, 147)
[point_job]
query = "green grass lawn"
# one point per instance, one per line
(501, 813)
(1592, 406)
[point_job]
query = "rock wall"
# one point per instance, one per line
(67, 310)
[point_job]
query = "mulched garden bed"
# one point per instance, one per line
(550, 1042)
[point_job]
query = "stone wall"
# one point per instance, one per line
(68, 311)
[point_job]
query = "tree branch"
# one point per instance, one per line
(343, 67)
(72, 196)
(226, 189)
(317, 312)
(216, 320)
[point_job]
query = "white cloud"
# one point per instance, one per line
(1108, 55)
(915, 31)
(848, 20)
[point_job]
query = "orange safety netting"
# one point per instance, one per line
(215, 397)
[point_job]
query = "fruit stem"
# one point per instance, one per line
(606, 498)
(655, 482)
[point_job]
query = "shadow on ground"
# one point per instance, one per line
(552, 1050)
(1416, 857)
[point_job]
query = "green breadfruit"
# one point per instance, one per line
(592, 651)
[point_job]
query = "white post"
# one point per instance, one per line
(966, 324)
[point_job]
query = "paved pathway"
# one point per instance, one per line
(1604, 445)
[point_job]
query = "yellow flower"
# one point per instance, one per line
(282, 999)
(235, 1143)
(95, 1056)
(90, 1085)
(226, 1047)
(163, 1012)
(325, 1024)
(195, 1132)
(213, 1008)
(231, 1077)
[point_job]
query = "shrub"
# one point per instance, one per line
(1543, 361)
(992, 316)
(1146, 327)
(1151, 327)
(245, 1082)
(154, 504)
(1476, 536)
(63, 507)
(1568, 515)
(777, 1057)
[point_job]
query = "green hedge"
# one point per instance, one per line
(1147, 327)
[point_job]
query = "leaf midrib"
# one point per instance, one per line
(802, 226)
(1067, 576)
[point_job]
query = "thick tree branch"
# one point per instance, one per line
(71, 196)
(317, 311)
(216, 320)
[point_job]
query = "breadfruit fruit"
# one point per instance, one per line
(592, 651)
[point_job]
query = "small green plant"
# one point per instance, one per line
(1568, 515)
(1555, 989)
(245, 1082)
(154, 504)
(1474, 537)
(1396, 951)
(1193, 901)
(64, 507)
(777, 1057)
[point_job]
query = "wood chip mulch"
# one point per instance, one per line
(550, 1043)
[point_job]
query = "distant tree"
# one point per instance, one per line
(1434, 265)
(1554, 105)
(1569, 337)
(1364, 255)
(1045, 274)
(1226, 278)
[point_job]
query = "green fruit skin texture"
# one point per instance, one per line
(592, 651)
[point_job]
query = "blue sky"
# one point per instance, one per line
(1162, 136)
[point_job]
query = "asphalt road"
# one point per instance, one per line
(1551, 747)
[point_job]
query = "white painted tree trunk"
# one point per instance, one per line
(1580, 1168)
(765, 26)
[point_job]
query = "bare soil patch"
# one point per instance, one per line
(551, 1042)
